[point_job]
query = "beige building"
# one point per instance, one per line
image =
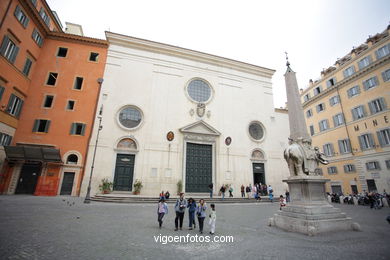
(347, 115)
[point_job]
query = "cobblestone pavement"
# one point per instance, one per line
(65, 228)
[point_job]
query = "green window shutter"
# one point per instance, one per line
(4, 44)
(25, 23)
(14, 54)
(11, 102)
(19, 108)
(27, 67)
(1, 91)
(380, 138)
(17, 10)
(372, 107)
(371, 139)
(341, 147)
(361, 143)
(83, 130)
(36, 125)
(47, 126)
(73, 129)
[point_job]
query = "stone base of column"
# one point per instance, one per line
(309, 211)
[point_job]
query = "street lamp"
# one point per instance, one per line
(88, 196)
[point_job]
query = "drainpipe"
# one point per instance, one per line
(5, 14)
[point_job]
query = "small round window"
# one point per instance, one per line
(130, 117)
(199, 90)
(256, 131)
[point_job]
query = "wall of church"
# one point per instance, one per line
(155, 84)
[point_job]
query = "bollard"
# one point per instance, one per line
(341, 198)
(329, 199)
(355, 201)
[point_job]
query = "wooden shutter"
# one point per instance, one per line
(381, 138)
(83, 129)
(1, 91)
(73, 129)
(17, 11)
(36, 125)
(10, 102)
(47, 126)
(371, 139)
(14, 54)
(19, 107)
(4, 45)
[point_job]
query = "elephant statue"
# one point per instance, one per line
(302, 159)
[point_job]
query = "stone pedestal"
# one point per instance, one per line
(309, 211)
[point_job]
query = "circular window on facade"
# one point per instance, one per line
(256, 131)
(199, 90)
(130, 117)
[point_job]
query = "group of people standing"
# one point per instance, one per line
(180, 208)
(256, 191)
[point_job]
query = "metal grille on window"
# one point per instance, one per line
(130, 117)
(199, 90)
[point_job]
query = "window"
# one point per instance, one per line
(78, 83)
(21, 16)
(320, 107)
(370, 83)
(332, 170)
(358, 112)
(309, 113)
(366, 142)
(199, 90)
(306, 97)
(387, 164)
(37, 37)
(384, 137)
(15, 105)
(383, 51)
(256, 130)
(311, 130)
(70, 105)
(51, 80)
(41, 126)
(62, 52)
(353, 91)
(5, 139)
(334, 100)
(364, 62)
(1, 91)
(93, 56)
(44, 16)
(27, 67)
(130, 117)
(331, 82)
(9, 49)
(317, 90)
(386, 75)
(349, 71)
(328, 149)
(77, 129)
(349, 168)
(72, 159)
(48, 102)
(324, 125)
(344, 146)
(377, 105)
(373, 165)
(338, 120)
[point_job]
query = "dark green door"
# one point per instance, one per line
(124, 169)
(67, 183)
(198, 167)
(258, 173)
(28, 179)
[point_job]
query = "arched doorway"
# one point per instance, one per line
(124, 166)
(258, 160)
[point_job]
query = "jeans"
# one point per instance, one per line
(160, 217)
(242, 194)
(211, 194)
(179, 217)
(223, 195)
(201, 221)
(191, 216)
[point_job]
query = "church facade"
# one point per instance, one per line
(170, 114)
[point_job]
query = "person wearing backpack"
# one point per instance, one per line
(231, 192)
(180, 208)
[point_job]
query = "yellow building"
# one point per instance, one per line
(347, 115)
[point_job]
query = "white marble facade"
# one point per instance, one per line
(202, 99)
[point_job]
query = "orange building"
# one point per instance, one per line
(50, 82)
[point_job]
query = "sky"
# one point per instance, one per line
(313, 32)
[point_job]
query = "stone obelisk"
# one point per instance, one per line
(309, 211)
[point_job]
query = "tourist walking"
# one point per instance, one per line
(162, 209)
(231, 192)
(222, 191)
(254, 191)
(270, 193)
(213, 219)
(211, 186)
(282, 202)
(180, 207)
(287, 196)
(248, 191)
(191, 205)
(201, 213)
(242, 191)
